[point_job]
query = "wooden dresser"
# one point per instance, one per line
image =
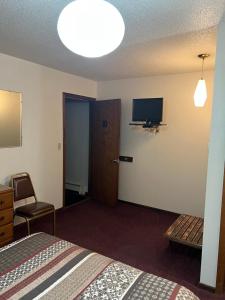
(6, 215)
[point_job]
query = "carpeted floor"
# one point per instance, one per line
(131, 234)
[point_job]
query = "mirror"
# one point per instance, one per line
(10, 119)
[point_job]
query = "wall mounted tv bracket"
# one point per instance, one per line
(153, 126)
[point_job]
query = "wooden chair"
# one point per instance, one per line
(23, 188)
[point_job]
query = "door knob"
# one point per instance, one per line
(116, 161)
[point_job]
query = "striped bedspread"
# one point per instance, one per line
(45, 267)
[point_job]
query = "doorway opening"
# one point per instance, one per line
(76, 142)
(91, 139)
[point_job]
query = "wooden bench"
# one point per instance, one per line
(187, 230)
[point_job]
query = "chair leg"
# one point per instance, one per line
(28, 226)
(54, 222)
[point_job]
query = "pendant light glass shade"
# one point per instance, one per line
(91, 28)
(200, 95)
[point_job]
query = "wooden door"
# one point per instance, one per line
(105, 150)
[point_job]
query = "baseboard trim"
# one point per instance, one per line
(149, 207)
(207, 287)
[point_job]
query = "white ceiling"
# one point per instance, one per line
(162, 36)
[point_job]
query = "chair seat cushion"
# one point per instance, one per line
(34, 209)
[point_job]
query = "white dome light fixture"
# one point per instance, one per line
(91, 28)
(200, 94)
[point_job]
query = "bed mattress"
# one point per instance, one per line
(42, 266)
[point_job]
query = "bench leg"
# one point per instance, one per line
(171, 244)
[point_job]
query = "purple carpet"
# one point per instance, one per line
(131, 234)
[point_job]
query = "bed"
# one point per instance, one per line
(42, 266)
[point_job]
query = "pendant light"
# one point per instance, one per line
(91, 28)
(200, 94)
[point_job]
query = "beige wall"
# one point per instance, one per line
(42, 129)
(215, 174)
(169, 169)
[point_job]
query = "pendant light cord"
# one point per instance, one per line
(203, 60)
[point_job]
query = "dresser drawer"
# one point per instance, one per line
(6, 216)
(5, 242)
(6, 232)
(6, 200)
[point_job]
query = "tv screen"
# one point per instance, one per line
(149, 109)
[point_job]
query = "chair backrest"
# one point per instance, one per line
(22, 186)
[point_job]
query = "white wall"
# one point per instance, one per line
(42, 128)
(169, 169)
(77, 145)
(215, 168)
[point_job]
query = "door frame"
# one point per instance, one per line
(76, 98)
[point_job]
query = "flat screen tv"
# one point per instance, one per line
(148, 110)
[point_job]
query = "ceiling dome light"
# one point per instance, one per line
(91, 28)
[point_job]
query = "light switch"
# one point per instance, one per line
(126, 158)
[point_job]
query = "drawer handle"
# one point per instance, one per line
(2, 234)
(2, 218)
